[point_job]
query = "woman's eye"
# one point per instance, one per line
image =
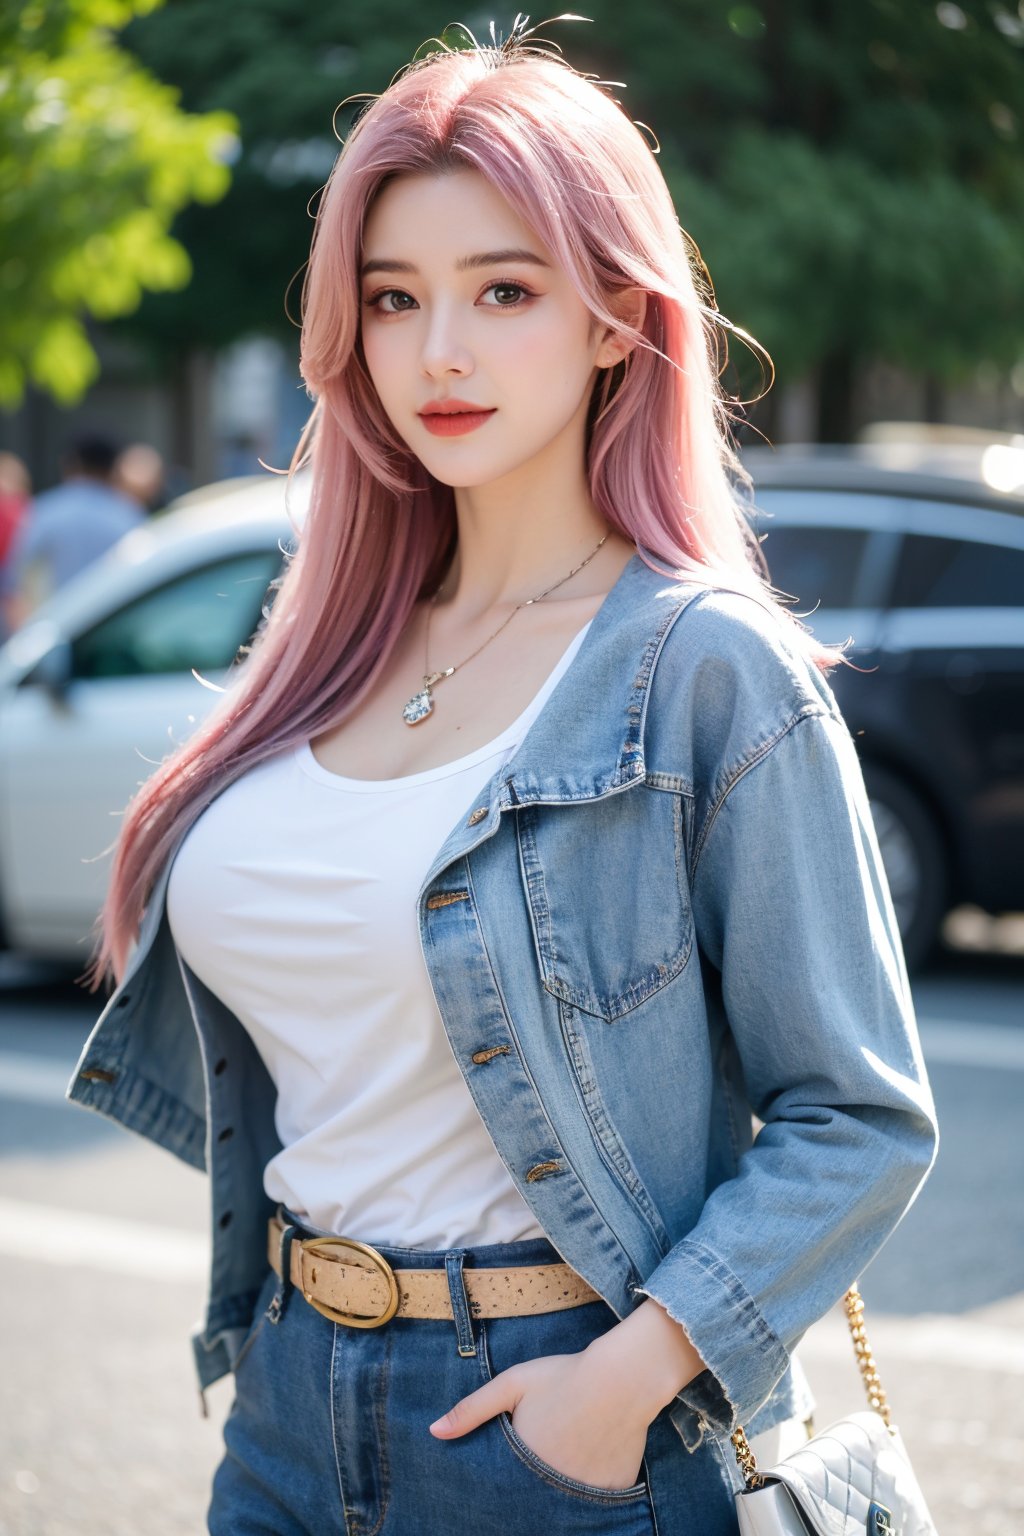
(395, 301)
(508, 295)
(390, 300)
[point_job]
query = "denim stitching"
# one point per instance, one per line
(453, 1263)
(539, 911)
(520, 1054)
(677, 836)
(631, 997)
(528, 850)
(251, 1336)
(757, 755)
(656, 644)
(334, 1438)
(740, 1298)
(660, 778)
(611, 1497)
(524, 1064)
(606, 1135)
(380, 1423)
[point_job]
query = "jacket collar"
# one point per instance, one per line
(588, 739)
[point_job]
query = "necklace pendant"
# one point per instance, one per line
(418, 708)
(422, 704)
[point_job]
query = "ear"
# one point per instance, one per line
(630, 306)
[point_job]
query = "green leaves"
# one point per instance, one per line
(852, 174)
(814, 251)
(96, 159)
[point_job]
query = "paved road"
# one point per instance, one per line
(103, 1247)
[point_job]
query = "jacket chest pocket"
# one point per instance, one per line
(609, 902)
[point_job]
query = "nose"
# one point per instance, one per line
(444, 349)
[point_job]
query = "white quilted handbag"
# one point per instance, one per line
(852, 1479)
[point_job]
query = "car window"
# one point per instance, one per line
(198, 620)
(815, 565)
(957, 573)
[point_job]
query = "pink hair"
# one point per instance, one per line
(380, 530)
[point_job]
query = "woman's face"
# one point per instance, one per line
(461, 302)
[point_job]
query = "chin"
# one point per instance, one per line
(463, 484)
(470, 471)
(467, 478)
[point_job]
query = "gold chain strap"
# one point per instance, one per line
(747, 1460)
(854, 1305)
(853, 1301)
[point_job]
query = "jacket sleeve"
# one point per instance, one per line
(792, 908)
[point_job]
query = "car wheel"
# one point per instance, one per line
(914, 858)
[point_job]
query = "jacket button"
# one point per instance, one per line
(480, 1057)
(478, 815)
(543, 1170)
(445, 898)
(97, 1075)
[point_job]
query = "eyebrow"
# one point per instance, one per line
(464, 263)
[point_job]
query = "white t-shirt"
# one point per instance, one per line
(293, 898)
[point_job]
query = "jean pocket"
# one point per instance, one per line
(589, 1493)
(551, 1474)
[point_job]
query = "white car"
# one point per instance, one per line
(98, 687)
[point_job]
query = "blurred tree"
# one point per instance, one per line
(282, 70)
(95, 161)
(854, 177)
(852, 173)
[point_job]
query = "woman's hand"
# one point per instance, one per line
(587, 1414)
(566, 1409)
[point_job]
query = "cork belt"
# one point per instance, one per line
(352, 1283)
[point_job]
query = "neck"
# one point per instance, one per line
(519, 534)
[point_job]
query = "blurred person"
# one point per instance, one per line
(65, 529)
(140, 472)
(15, 493)
(527, 859)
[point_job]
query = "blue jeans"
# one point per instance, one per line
(328, 1431)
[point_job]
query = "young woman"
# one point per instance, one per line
(525, 860)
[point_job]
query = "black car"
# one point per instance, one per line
(922, 563)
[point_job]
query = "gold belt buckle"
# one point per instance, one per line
(379, 1262)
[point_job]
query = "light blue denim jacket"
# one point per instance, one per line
(665, 912)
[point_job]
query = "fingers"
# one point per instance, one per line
(497, 1396)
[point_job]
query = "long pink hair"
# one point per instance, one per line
(380, 531)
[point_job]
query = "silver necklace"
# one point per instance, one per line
(422, 704)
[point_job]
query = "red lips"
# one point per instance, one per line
(453, 418)
(449, 407)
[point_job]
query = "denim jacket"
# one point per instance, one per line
(664, 914)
